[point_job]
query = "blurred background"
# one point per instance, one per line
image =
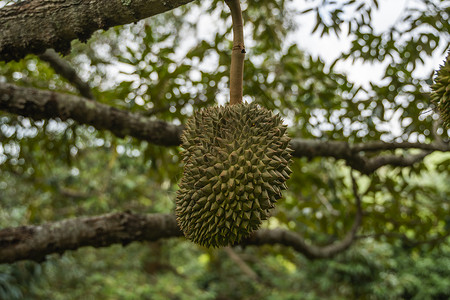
(354, 71)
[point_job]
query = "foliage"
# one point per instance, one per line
(177, 270)
(52, 170)
(441, 90)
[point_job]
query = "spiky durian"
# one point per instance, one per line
(236, 164)
(441, 91)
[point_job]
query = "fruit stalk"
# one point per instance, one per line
(238, 52)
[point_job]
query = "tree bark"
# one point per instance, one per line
(36, 242)
(36, 25)
(40, 104)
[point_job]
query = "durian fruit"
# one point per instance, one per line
(441, 91)
(236, 164)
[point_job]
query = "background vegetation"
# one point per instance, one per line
(166, 67)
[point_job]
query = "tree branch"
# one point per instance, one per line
(288, 238)
(394, 160)
(40, 104)
(63, 68)
(380, 145)
(36, 25)
(35, 242)
(354, 158)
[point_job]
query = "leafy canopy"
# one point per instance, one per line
(167, 67)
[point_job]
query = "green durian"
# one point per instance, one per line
(440, 95)
(236, 163)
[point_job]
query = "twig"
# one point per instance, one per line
(410, 242)
(63, 68)
(242, 264)
(327, 205)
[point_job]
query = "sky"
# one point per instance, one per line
(329, 47)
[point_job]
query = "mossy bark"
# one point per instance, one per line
(39, 104)
(31, 27)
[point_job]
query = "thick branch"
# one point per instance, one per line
(36, 25)
(39, 104)
(35, 242)
(317, 148)
(63, 68)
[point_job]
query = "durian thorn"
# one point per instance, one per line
(238, 52)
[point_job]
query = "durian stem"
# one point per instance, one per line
(238, 52)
